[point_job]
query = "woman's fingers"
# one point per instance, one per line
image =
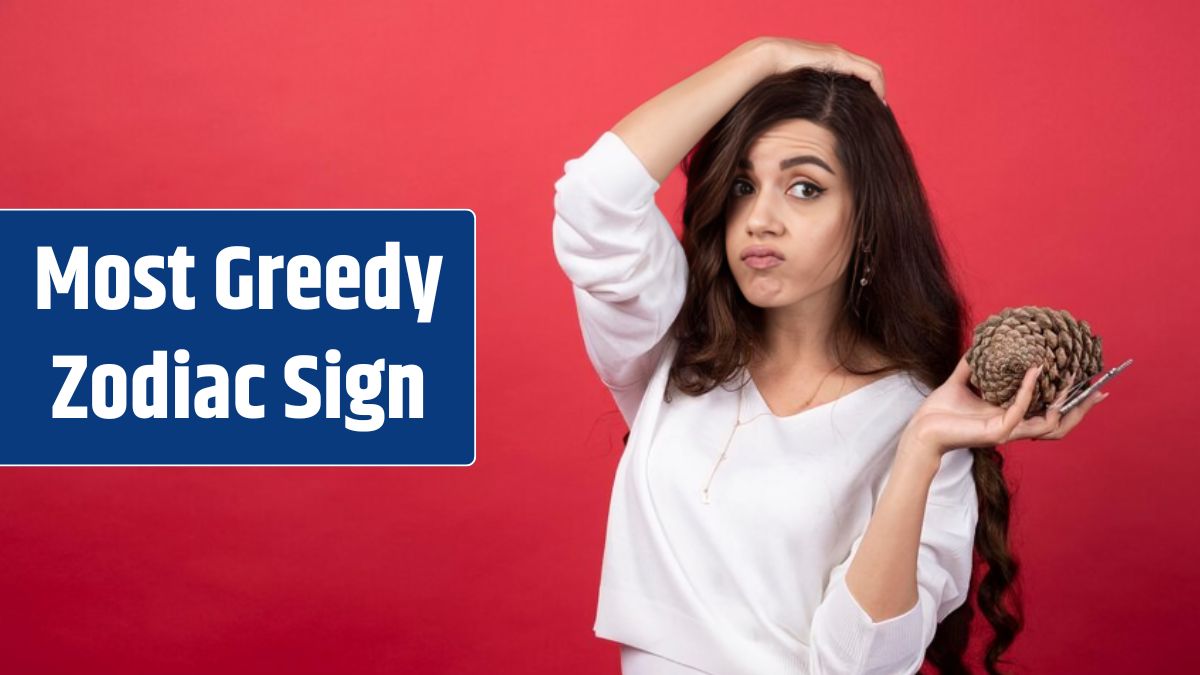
(1016, 412)
(1073, 418)
(1044, 424)
(1055, 425)
(800, 53)
(1054, 412)
(870, 71)
(846, 61)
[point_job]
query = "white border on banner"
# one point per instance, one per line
(474, 343)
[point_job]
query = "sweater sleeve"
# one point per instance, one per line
(844, 638)
(626, 265)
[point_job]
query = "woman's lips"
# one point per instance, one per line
(762, 262)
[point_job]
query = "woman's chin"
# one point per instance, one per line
(765, 300)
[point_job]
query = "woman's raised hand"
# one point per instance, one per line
(791, 54)
(953, 416)
(661, 131)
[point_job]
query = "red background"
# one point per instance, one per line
(1057, 142)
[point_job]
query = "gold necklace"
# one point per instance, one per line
(738, 422)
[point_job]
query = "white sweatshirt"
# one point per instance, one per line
(752, 582)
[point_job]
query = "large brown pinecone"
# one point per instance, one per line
(1007, 344)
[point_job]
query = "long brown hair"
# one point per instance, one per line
(910, 312)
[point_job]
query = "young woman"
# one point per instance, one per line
(812, 500)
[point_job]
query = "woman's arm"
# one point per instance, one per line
(883, 576)
(952, 416)
(610, 238)
(905, 574)
(912, 565)
(662, 130)
(612, 241)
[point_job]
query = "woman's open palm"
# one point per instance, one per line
(954, 416)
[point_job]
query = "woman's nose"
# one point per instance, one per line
(762, 217)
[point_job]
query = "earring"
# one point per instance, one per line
(866, 269)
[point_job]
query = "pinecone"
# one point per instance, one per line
(1007, 344)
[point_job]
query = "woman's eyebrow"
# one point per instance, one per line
(792, 161)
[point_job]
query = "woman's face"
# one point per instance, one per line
(799, 210)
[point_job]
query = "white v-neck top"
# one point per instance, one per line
(751, 582)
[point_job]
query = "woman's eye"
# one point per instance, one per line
(815, 191)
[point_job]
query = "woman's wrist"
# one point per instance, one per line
(762, 54)
(917, 451)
